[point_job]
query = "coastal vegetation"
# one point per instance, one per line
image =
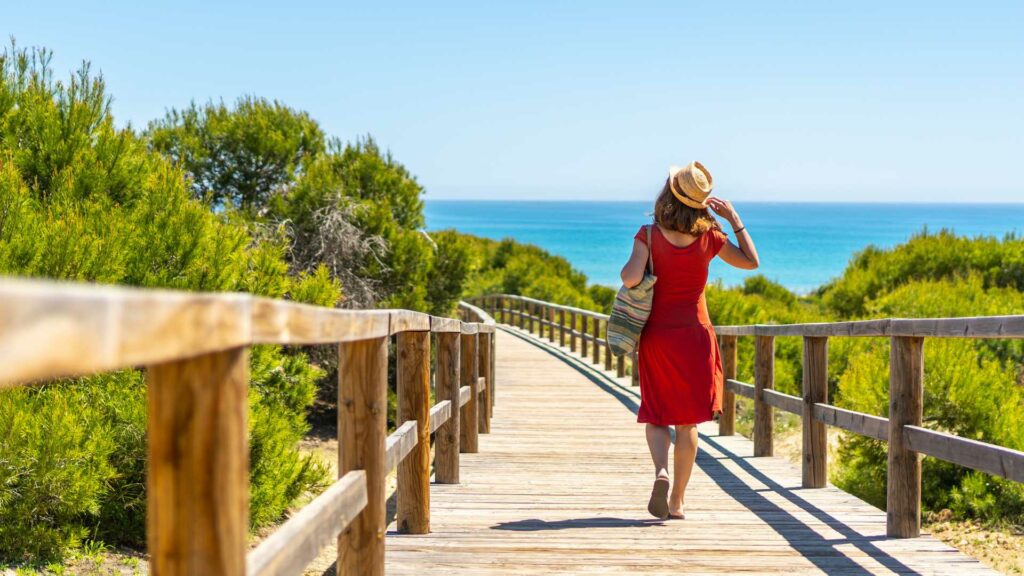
(255, 197)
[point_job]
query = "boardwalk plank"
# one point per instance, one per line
(560, 486)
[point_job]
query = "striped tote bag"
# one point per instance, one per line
(631, 308)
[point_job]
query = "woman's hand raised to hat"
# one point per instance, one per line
(724, 209)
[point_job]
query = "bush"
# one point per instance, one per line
(83, 200)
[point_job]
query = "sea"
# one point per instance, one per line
(801, 245)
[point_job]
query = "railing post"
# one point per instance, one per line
(446, 384)
(634, 360)
(362, 430)
(572, 331)
(584, 331)
(596, 334)
(764, 379)
(815, 434)
(607, 349)
(492, 377)
(727, 421)
(532, 312)
(620, 367)
(413, 376)
(561, 327)
(198, 468)
(484, 411)
(906, 399)
(469, 372)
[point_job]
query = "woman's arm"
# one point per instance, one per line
(633, 272)
(743, 256)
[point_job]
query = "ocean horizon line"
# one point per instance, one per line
(761, 202)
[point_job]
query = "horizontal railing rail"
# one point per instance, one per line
(194, 349)
(903, 432)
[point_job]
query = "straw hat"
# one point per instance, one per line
(691, 184)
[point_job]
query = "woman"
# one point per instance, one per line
(680, 367)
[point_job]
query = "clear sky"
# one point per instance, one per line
(823, 101)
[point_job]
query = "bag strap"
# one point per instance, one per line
(650, 250)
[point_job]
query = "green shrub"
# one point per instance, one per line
(83, 200)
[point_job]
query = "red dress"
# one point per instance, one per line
(680, 365)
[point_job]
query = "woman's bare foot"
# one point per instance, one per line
(676, 512)
(676, 507)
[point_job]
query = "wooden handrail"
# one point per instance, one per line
(195, 349)
(906, 439)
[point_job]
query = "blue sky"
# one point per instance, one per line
(822, 101)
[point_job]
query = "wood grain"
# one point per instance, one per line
(764, 379)
(518, 512)
(284, 322)
(864, 424)
(784, 402)
(484, 364)
(446, 384)
(469, 371)
(197, 478)
(814, 456)
(362, 428)
(438, 324)
(413, 386)
(102, 328)
(399, 444)
(727, 420)
(906, 403)
(989, 458)
(572, 331)
(439, 414)
(299, 540)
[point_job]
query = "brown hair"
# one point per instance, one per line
(671, 214)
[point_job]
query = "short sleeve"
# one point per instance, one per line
(718, 239)
(641, 235)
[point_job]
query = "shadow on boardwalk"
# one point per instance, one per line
(803, 538)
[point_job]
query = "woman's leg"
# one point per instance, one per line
(658, 441)
(682, 464)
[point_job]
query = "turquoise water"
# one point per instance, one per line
(801, 245)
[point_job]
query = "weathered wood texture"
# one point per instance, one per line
(764, 379)
(446, 384)
(399, 444)
(48, 330)
(299, 541)
(814, 459)
(989, 458)
(439, 414)
(469, 428)
(285, 322)
(198, 467)
(484, 365)
(782, 401)
(518, 511)
(727, 420)
(741, 388)
(362, 431)
(413, 385)
(865, 424)
(906, 406)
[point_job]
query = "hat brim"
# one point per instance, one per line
(672, 171)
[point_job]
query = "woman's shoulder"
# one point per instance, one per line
(642, 233)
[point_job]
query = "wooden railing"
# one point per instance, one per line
(194, 348)
(560, 324)
(902, 430)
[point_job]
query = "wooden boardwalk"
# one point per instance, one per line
(560, 486)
